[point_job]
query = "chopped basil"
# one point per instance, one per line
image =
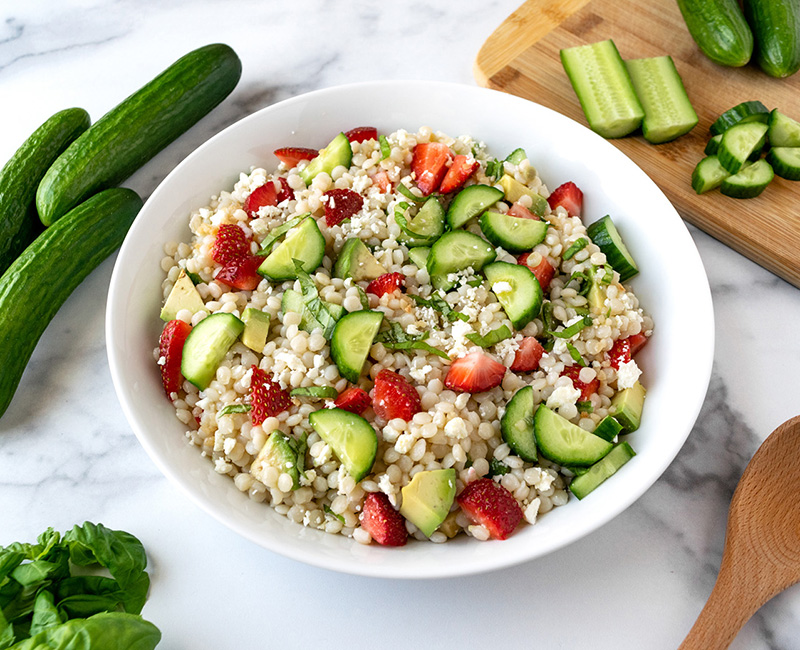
(497, 468)
(196, 279)
(584, 280)
(495, 336)
(475, 283)
(494, 169)
(396, 338)
(406, 192)
(609, 275)
(400, 220)
(318, 392)
(576, 356)
(362, 296)
(572, 330)
(577, 245)
(585, 406)
(547, 339)
(437, 303)
(234, 408)
(386, 149)
(312, 301)
(330, 512)
(300, 447)
(276, 233)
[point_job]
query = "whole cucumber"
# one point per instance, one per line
(776, 28)
(31, 292)
(21, 175)
(138, 128)
(719, 29)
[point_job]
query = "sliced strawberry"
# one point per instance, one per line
(286, 193)
(394, 397)
(230, 244)
(353, 399)
(429, 165)
(170, 352)
(491, 505)
(361, 133)
(528, 355)
(587, 389)
(462, 168)
(293, 156)
(382, 521)
(382, 181)
(474, 373)
(241, 273)
(519, 210)
(265, 194)
(341, 205)
(386, 283)
(543, 271)
(268, 398)
(624, 350)
(569, 197)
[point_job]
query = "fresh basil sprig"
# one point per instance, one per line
(396, 338)
(276, 233)
(572, 330)
(437, 303)
(312, 301)
(491, 338)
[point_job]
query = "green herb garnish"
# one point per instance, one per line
(234, 408)
(362, 296)
(316, 392)
(576, 356)
(437, 303)
(585, 406)
(396, 338)
(491, 338)
(572, 330)
(312, 301)
(497, 468)
(576, 246)
(406, 192)
(386, 148)
(276, 233)
(328, 511)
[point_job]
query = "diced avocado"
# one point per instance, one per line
(427, 499)
(277, 452)
(184, 295)
(514, 191)
(627, 405)
(587, 481)
(596, 297)
(355, 261)
(256, 329)
(293, 301)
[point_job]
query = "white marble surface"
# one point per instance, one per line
(67, 453)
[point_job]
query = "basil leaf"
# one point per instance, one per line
(106, 631)
(495, 336)
(330, 512)
(396, 338)
(196, 279)
(318, 392)
(45, 613)
(576, 246)
(585, 406)
(406, 192)
(573, 329)
(547, 339)
(276, 233)
(312, 301)
(439, 304)
(6, 631)
(386, 149)
(234, 408)
(362, 296)
(576, 356)
(497, 468)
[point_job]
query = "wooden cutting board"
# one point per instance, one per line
(522, 57)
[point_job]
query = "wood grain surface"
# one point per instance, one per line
(522, 57)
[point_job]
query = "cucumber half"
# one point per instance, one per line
(783, 131)
(708, 174)
(206, 347)
(605, 234)
(516, 424)
(565, 443)
(785, 162)
(517, 290)
(742, 113)
(425, 227)
(456, 251)
(351, 437)
(749, 182)
(352, 338)
(304, 243)
(470, 202)
(515, 234)
(338, 152)
(587, 481)
(738, 144)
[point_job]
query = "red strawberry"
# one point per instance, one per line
(170, 349)
(519, 210)
(567, 196)
(462, 168)
(491, 505)
(353, 399)
(293, 156)
(587, 390)
(266, 194)
(361, 133)
(528, 355)
(382, 521)
(429, 165)
(386, 283)
(241, 273)
(341, 205)
(624, 350)
(474, 373)
(393, 397)
(543, 271)
(382, 181)
(286, 193)
(268, 398)
(230, 244)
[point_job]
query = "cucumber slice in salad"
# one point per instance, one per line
(785, 162)
(425, 227)
(352, 338)
(742, 113)
(589, 480)
(206, 347)
(738, 144)
(456, 251)
(351, 437)
(565, 443)
(608, 428)
(338, 152)
(516, 425)
(749, 182)
(606, 236)
(517, 290)
(304, 243)
(515, 234)
(471, 202)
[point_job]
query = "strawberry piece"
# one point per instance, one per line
(353, 399)
(491, 505)
(382, 521)
(569, 197)
(268, 398)
(241, 273)
(386, 283)
(286, 193)
(341, 205)
(394, 397)
(624, 350)
(293, 156)
(462, 168)
(587, 389)
(519, 210)
(474, 373)
(528, 355)
(265, 194)
(543, 271)
(170, 350)
(382, 181)
(429, 165)
(361, 133)
(230, 244)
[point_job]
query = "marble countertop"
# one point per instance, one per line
(68, 455)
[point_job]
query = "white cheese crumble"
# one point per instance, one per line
(563, 395)
(628, 374)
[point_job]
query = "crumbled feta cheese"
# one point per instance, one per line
(419, 373)
(221, 466)
(628, 374)
(456, 428)
(563, 395)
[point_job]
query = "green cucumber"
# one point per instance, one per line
(708, 174)
(565, 443)
(776, 27)
(338, 152)
(668, 113)
(517, 290)
(515, 234)
(351, 438)
(304, 243)
(785, 162)
(21, 175)
(207, 345)
(138, 128)
(749, 182)
(608, 428)
(516, 425)
(293, 301)
(419, 256)
(712, 147)
(606, 467)
(738, 144)
(456, 251)
(782, 130)
(517, 156)
(423, 228)
(471, 202)
(753, 111)
(31, 294)
(606, 236)
(719, 29)
(351, 341)
(603, 86)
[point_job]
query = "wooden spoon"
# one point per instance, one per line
(761, 557)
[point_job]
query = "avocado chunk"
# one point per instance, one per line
(514, 191)
(256, 329)
(627, 406)
(428, 497)
(277, 452)
(355, 261)
(184, 295)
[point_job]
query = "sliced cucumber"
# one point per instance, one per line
(785, 162)
(783, 131)
(712, 147)
(738, 144)
(517, 156)
(515, 234)
(565, 443)
(742, 113)
(355, 261)
(456, 251)
(749, 182)
(517, 290)
(351, 437)
(277, 452)
(304, 243)
(604, 89)
(516, 425)
(708, 174)
(419, 256)
(207, 345)
(668, 113)
(352, 338)
(514, 191)
(471, 202)
(425, 227)
(587, 481)
(606, 236)
(627, 406)
(293, 301)
(608, 428)
(338, 152)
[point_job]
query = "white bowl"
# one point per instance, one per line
(672, 287)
